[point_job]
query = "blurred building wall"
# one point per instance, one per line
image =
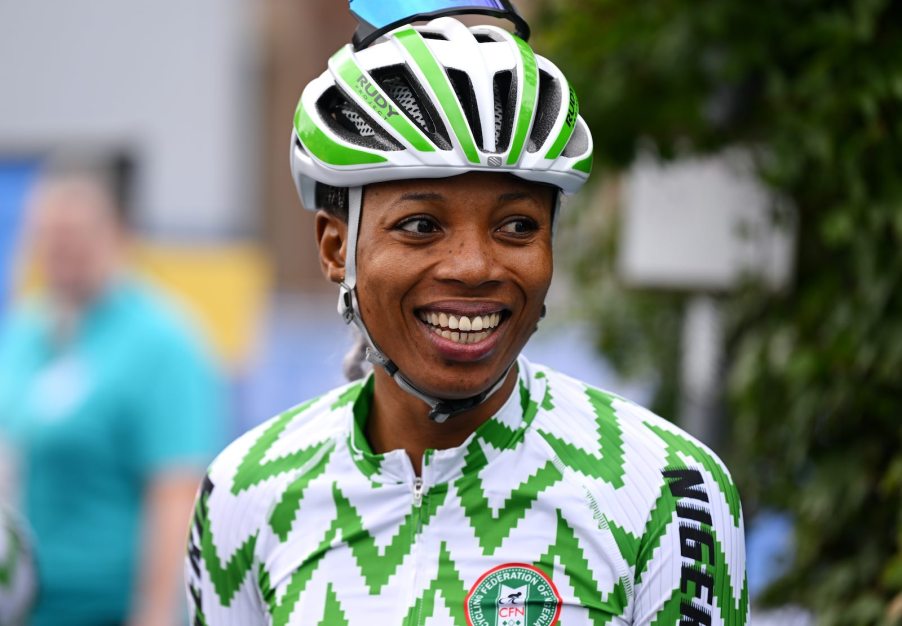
(201, 95)
(171, 83)
(299, 37)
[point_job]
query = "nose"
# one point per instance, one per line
(469, 258)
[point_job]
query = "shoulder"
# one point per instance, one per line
(638, 456)
(668, 500)
(23, 323)
(148, 308)
(251, 474)
(247, 484)
(160, 328)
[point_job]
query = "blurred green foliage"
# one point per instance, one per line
(814, 374)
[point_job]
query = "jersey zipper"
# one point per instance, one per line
(417, 492)
(418, 495)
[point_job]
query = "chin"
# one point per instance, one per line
(458, 381)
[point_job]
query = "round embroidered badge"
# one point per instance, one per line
(514, 594)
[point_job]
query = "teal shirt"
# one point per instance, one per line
(93, 421)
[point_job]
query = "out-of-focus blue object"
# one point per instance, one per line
(768, 549)
(377, 17)
(131, 395)
(16, 178)
(380, 13)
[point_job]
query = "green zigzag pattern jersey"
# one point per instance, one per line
(629, 518)
(17, 575)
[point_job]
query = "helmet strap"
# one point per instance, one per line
(441, 409)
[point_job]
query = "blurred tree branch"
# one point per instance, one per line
(814, 88)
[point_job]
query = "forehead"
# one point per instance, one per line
(71, 203)
(475, 187)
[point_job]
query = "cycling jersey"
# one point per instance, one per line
(570, 506)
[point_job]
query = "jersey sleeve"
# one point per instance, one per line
(691, 563)
(221, 587)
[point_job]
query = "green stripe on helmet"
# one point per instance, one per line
(416, 46)
(324, 147)
(355, 78)
(530, 93)
(567, 131)
(585, 165)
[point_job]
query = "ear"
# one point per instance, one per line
(331, 237)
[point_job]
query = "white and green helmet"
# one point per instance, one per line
(434, 101)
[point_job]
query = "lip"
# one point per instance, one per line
(470, 352)
(468, 308)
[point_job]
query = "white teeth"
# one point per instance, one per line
(461, 338)
(463, 330)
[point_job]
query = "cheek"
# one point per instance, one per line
(383, 277)
(534, 266)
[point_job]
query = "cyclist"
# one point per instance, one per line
(457, 483)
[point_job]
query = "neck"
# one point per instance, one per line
(399, 421)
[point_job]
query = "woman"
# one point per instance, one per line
(458, 483)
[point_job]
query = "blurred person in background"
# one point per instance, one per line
(17, 576)
(113, 409)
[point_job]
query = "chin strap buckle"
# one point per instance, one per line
(346, 303)
(439, 414)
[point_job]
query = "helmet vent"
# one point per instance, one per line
(357, 120)
(547, 109)
(505, 105)
(404, 89)
(436, 36)
(484, 38)
(350, 123)
(467, 98)
(578, 143)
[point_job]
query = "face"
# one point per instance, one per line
(75, 239)
(452, 275)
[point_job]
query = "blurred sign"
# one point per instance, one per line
(702, 224)
(16, 177)
(224, 286)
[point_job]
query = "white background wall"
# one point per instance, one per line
(176, 82)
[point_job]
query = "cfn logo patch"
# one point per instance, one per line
(514, 594)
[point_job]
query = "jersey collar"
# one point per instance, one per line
(503, 431)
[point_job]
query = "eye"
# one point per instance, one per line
(519, 226)
(419, 225)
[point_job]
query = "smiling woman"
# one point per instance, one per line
(457, 483)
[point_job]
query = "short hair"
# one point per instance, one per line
(332, 200)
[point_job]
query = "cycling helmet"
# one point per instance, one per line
(434, 101)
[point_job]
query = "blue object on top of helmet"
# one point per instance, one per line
(376, 17)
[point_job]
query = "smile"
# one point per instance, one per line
(461, 329)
